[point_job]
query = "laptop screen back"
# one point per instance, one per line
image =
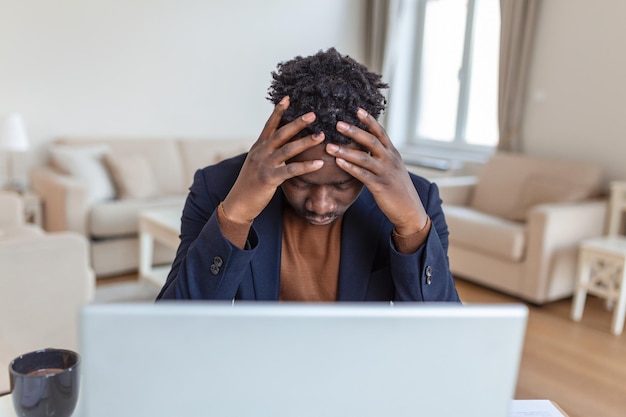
(300, 360)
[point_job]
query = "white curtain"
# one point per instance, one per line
(518, 20)
(380, 43)
(376, 12)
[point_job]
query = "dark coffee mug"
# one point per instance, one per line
(45, 383)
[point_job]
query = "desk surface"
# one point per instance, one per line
(527, 408)
(6, 407)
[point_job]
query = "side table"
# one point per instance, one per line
(33, 208)
(602, 263)
(602, 272)
(156, 226)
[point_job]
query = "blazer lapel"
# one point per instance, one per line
(266, 263)
(358, 250)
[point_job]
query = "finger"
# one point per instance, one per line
(274, 120)
(295, 169)
(360, 136)
(374, 127)
(296, 147)
(358, 172)
(354, 156)
(291, 129)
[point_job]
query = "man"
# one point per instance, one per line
(321, 208)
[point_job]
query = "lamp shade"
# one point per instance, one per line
(13, 133)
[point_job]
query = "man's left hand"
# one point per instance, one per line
(379, 166)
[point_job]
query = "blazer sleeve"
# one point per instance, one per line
(207, 265)
(425, 275)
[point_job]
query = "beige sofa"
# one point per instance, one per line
(45, 279)
(98, 186)
(516, 226)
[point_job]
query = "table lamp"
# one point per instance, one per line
(13, 139)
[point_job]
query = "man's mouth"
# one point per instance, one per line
(320, 220)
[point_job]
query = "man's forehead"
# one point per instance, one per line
(329, 174)
(329, 180)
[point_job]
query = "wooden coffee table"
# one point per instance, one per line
(163, 226)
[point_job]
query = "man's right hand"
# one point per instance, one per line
(266, 166)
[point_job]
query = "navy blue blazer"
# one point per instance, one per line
(208, 266)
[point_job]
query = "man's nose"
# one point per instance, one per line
(321, 201)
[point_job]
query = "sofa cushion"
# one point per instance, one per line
(164, 158)
(86, 163)
(15, 233)
(541, 190)
(199, 153)
(133, 176)
(486, 233)
(121, 217)
(162, 155)
(510, 184)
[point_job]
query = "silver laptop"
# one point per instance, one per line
(300, 360)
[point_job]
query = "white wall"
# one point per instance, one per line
(200, 68)
(577, 85)
(193, 68)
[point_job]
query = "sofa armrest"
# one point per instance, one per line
(45, 280)
(456, 191)
(65, 200)
(557, 229)
(11, 209)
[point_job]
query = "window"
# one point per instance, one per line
(454, 50)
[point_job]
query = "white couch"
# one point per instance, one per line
(516, 226)
(97, 187)
(45, 279)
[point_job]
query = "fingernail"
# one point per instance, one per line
(284, 100)
(342, 126)
(318, 135)
(309, 117)
(332, 147)
(317, 163)
(361, 112)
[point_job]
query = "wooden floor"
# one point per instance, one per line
(580, 366)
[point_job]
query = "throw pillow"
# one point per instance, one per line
(133, 175)
(543, 190)
(86, 163)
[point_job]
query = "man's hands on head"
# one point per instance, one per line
(266, 167)
(380, 167)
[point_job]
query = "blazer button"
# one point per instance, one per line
(429, 275)
(215, 266)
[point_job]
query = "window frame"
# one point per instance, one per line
(458, 143)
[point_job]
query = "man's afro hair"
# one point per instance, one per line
(331, 85)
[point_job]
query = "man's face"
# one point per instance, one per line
(321, 197)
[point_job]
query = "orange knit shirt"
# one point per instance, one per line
(309, 267)
(310, 254)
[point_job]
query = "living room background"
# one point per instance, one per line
(163, 68)
(200, 69)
